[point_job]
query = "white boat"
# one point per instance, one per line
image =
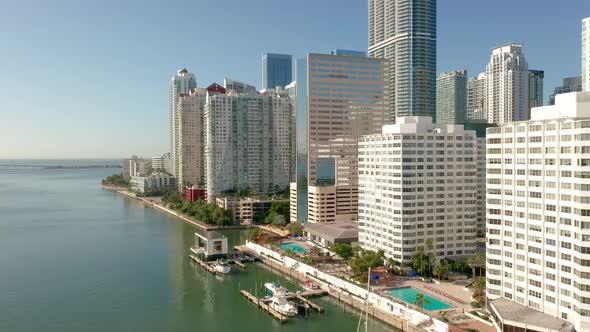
(222, 266)
(310, 286)
(274, 288)
(279, 303)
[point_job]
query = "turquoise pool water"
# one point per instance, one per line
(293, 246)
(408, 294)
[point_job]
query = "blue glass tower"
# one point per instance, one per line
(276, 70)
(404, 31)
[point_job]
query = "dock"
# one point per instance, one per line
(264, 306)
(238, 263)
(204, 264)
(303, 297)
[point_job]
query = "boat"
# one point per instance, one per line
(279, 303)
(222, 266)
(274, 288)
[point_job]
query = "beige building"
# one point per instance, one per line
(190, 158)
(245, 210)
(347, 97)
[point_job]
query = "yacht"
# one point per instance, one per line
(279, 303)
(222, 266)
(275, 288)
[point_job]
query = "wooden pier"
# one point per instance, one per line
(238, 263)
(307, 301)
(264, 306)
(204, 264)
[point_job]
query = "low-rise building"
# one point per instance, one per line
(327, 234)
(153, 184)
(247, 210)
(194, 194)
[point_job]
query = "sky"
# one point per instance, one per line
(89, 79)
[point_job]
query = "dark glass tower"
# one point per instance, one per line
(404, 31)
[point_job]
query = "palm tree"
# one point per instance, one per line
(420, 301)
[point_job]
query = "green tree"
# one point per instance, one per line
(294, 228)
(280, 208)
(363, 259)
(421, 301)
(254, 234)
(343, 250)
(479, 292)
(441, 270)
(115, 180)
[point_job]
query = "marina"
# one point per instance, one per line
(302, 298)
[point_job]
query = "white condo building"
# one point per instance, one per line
(418, 182)
(247, 141)
(476, 92)
(506, 85)
(538, 216)
(182, 82)
(586, 54)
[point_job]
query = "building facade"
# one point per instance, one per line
(570, 84)
(182, 82)
(241, 87)
(276, 70)
(586, 54)
(418, 183)
(507, 85)
(154, 184)
(347, 97)
(246, 141)
(536, 88)
(247, 210)
(190, 146)
(476, 97)
(538, 210)
(451, 97)
(404, 31)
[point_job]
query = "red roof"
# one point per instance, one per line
(216, 88)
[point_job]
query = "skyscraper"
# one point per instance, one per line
(538, 217)
(536, 88)
(570, 84)
(246, 140)
(404, 31)
(339, 99)
(451, 97)
(276, 70)
(182, 82)
(507, 85)
(586, 54)
(476, 97)
(190, 153)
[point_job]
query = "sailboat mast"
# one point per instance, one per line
(367, 301)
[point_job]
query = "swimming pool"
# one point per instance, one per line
(408, 294)
(293, 246)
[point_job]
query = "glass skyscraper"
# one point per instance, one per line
(404, 31)
(276, 70)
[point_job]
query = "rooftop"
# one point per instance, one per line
(334, 232)
(520, 314)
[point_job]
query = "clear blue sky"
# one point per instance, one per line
(89, 79)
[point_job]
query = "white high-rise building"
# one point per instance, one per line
(247, 141)
(586, 54)
(538, 217)
(182, 82)
(507, 85)
(418, 182)
(476, 92)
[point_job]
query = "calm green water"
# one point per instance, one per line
(74, 257)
